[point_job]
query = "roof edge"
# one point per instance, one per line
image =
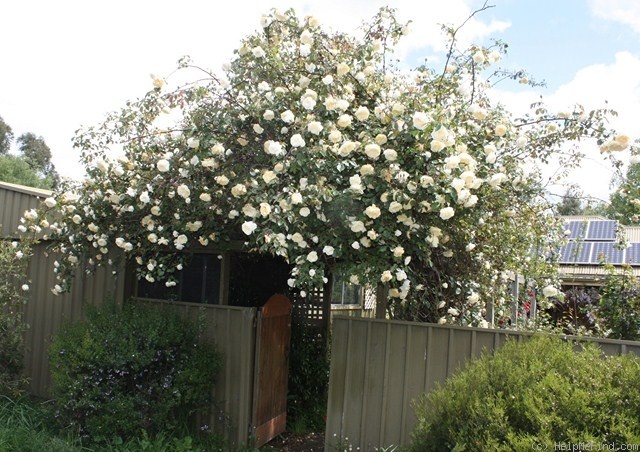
(39, 192)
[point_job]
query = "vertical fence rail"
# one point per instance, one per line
(379, 367)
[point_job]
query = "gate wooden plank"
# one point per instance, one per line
(271, 370)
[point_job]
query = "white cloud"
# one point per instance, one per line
(615, 86)
(624, 11)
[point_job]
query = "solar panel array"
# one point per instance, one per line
(594, 242)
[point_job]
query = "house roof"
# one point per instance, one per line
(593, 240)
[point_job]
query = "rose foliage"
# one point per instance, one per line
(317, 147)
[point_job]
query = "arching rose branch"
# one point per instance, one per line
(315, 147)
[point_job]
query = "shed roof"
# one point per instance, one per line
(14, 200)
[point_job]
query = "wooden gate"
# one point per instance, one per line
(271, 370)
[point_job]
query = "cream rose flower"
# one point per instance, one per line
(446, 213)
(372, 211)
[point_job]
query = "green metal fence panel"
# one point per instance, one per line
(379, 367)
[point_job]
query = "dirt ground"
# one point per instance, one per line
(288, 442)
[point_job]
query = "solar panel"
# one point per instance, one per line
(633, 254)
(577, 229)
(576, 252)
(602, 230)
(607, 252)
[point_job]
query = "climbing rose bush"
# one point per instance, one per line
(316, 147)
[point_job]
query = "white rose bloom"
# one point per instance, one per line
(314, 127)
(342, 69)
(25, 287)
(521, 141)
(367, 170)
(442, 321)
(144, 197)
(305, 212)
(258, 52)
(357, 226)
(238, 190)
(183, 191)
(312, 257)
(437, 145)
(305, 50)
(328, 250)
(344, 121)
(401, 275)
(258, 129)
(446, 213)
(550, 291)
(478, 112)
(327, 79)
(386, 276)
(500, 130)
(372, 211)
(478, 57)
(249, 211)
(306, 37)
(273, 148)
(163, 165)
(193, 143)
(362, 114)
(395, 206)
(205, 197)
(346, 148)
(265, 209)
(421, 120)
(269, 176)
(296, 198)
(308, 102)
(193, 226)
(397, 109)
(335, 136)
(372, 151)
(157, 81)
(398, 251)
(472, 201)
(453, 311)
(390, 154)
(222, 180)
(297, 141)
(268, 115)
(497, 179)
(50, 202)
(248, 227)
(77, 219)
(287, 116)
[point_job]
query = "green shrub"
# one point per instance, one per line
(130, 369)
(13, 295)
(619, 309)
(540, 391)
(308, 379)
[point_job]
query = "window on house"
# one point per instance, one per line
(345, 293)
(197, 282)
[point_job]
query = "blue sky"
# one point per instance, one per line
(67, 63)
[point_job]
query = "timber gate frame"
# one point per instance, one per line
(271, 371)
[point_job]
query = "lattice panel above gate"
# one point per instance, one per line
(312, 310)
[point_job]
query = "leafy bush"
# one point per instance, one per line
(130, 369)
(619, 309)
(540, 391)
(13, 268)
(308, 379)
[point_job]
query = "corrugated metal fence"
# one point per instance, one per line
(378, 367)
(231, 330)
(45, 312)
